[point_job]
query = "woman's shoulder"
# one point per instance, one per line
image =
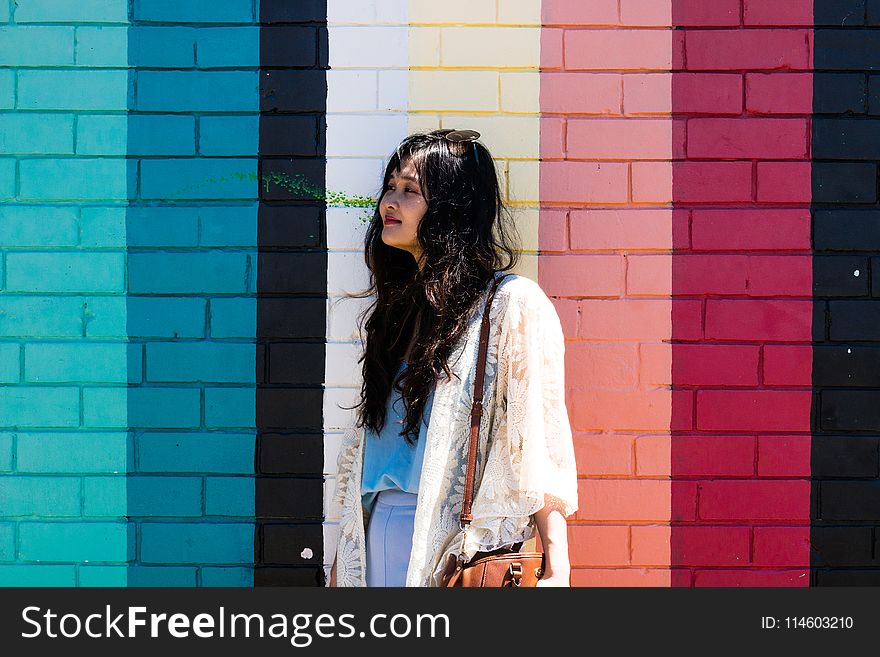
(522, 297)
(523, 291)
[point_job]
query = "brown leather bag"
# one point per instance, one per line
(506, 566)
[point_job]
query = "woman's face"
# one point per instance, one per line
(402, 207)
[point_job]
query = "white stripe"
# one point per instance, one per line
(367, 116)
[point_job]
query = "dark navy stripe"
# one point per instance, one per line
(845, 452)
(292, 294)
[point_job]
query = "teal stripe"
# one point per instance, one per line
(192, 263)
(128, 216)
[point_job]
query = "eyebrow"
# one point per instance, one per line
(410, 178)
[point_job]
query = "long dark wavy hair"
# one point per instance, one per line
(466, 234)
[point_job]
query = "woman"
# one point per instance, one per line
(438, 239)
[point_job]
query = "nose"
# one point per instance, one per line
(389, 200)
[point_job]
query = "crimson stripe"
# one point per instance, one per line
(742, 286)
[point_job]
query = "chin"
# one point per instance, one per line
(389, 243)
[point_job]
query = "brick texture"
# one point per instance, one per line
(845, 157)
(122, 223)
(743, 256)
(605, 185)
(696, 185)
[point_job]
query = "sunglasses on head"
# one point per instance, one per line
(458, 136)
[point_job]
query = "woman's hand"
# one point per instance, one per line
(556, 578)
(554, 539)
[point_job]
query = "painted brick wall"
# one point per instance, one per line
(129, 141)
(695, 184)
(741, 419)
(605, 259)
(193, 132)
(64, 345)
(844, 455)
(292, 290)
(677, 195)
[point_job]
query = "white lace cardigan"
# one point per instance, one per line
(525, 424)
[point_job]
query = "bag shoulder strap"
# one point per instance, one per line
(477, 407)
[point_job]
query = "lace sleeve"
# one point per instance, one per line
(535, 439)
(344, 464)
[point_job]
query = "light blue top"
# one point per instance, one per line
(390, 462)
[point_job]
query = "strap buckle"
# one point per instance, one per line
(463, 540)
(515, 570)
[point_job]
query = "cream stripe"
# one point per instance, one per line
(475, 65)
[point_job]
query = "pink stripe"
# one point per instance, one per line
(605, 234)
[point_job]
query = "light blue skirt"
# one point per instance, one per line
(389, 538)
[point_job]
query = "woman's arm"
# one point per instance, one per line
(554, 538)
(537, 424)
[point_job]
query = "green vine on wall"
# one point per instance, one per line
(300, 186)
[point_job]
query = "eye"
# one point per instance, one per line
(390, 186)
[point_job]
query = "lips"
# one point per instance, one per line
(391, 220)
